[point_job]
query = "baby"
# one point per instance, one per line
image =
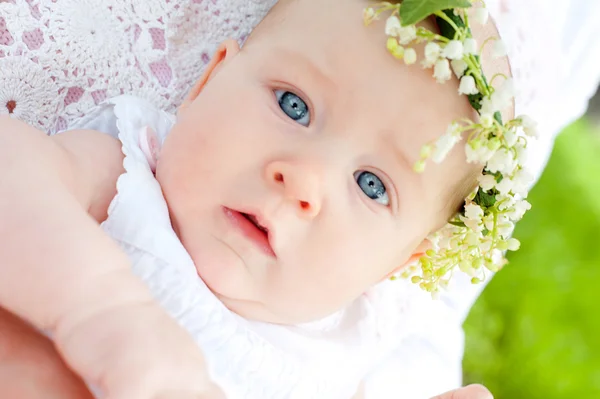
(281, 193)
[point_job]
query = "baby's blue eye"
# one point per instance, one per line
(372, 186)
(293, 106)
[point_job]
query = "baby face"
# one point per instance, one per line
(289, 171)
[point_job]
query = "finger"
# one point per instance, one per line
(475, 391)
(212, 393)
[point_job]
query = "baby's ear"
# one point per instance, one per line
(416, 255)
(228, 49)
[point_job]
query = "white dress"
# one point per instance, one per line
(60, 58)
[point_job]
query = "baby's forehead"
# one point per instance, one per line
(354, 58)
(333, 34)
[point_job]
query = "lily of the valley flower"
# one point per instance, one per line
(441, 70)
(454, 50)
(432, 54)
(481, 16)
(410, 56)
(470, 46)
(459, 67)
(529, 125)
(393, 26)
(467, 85)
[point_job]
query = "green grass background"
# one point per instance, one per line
(535, 331)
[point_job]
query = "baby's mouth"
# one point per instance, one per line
(255, 222)
(250, 227)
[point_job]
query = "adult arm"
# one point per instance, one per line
(61, 273)
(30, 367)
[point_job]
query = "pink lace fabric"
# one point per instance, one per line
(59, 58)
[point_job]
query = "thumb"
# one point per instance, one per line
(470, 392)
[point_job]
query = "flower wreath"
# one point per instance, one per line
(476, 238)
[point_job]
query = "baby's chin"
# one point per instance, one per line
(283, 311)
(241, 299)
(259, 309)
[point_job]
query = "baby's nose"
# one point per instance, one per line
(299, 183)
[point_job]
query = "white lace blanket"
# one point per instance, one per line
(58, 58)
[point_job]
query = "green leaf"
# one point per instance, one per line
(498, 117)
(445, 28)
(475, 100)
(485, 199)
(498, 177)
(413, 11)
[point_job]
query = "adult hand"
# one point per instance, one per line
(30, 367)
(469, 392)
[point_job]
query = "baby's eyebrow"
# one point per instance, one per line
(391, 142)
(302, 62)
(402, 158)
